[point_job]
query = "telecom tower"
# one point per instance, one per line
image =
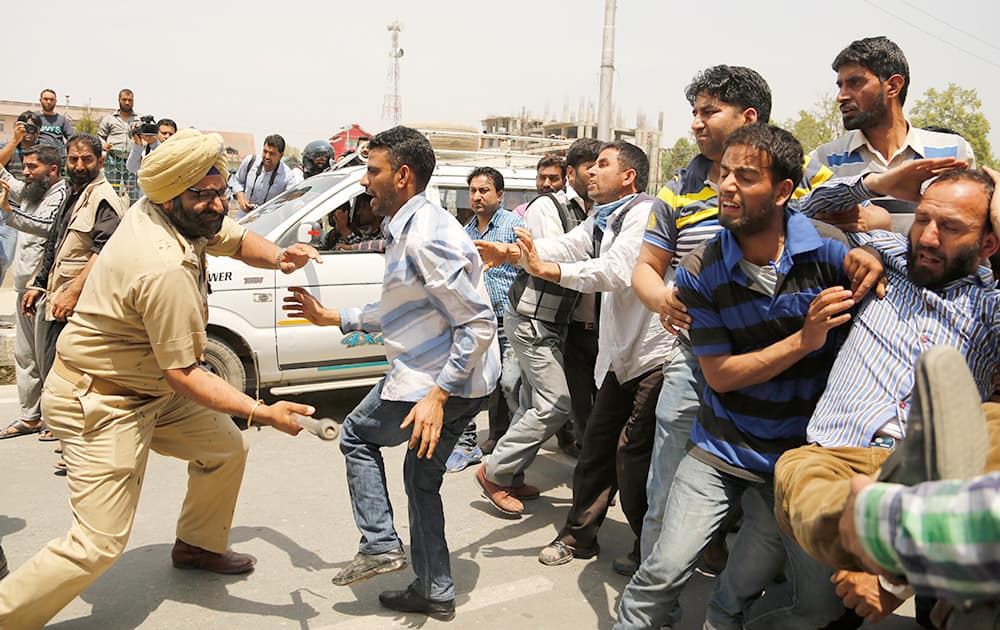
(392, 109)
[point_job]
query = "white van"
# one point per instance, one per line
(254, 346)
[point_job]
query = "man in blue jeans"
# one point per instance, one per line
(439, 330)
(763, 296)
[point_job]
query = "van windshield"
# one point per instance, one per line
(270, 215)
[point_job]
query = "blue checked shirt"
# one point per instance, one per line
(434, 315)
(871, 380)
(499, 278)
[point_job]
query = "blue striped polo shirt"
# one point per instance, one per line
(743, 432)
(686, 211)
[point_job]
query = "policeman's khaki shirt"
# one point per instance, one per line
(144, 307)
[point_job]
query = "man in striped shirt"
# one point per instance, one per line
(490, 222)
(763, 296)
(938, 294)
(439, 328)
(685, 215)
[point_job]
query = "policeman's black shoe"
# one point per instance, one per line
(410, 601)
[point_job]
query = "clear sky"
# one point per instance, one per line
(305, 68)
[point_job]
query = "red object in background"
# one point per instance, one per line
(347, 140)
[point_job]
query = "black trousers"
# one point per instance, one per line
(617, 446)
(580, 355)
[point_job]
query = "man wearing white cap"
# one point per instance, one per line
(126, 379)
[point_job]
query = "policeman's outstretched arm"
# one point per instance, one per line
(257, 251)
(209, 390)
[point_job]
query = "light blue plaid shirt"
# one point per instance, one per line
(499, 278)
(435, 316)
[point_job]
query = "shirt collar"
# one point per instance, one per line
(800, 237)
(397, 223)
(857, 139)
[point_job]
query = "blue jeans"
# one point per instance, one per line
(699, 499)
(676, 409)
(374, 423)
(8, 244)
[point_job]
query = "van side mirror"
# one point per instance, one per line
(309, 233)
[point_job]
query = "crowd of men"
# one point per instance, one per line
(754, 349)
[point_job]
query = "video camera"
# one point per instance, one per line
(146, 126)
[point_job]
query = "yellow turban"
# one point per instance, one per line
(180, 163)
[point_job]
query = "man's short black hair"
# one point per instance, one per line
(125, 91)
(493, 174)
(552, 160)
(974, 175)
(47, 154)
(87, 140)
(407, 146)
(880, 56)
(735, 85)
(274, 140)
(583, 150)
(781, 147)
(168, 123)
(46, 90)
(31, 117)
(631, 157)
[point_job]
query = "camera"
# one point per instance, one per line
(147, 126)
(30, 127)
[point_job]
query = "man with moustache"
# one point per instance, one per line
(763, 296)
(27, 131)
(40, 195)
(439, 330)
(127, 380)
(939, 293)
(598, 256)
(88, 218)
(491, 222)
(115, 130)
(537, 320)
(55, 129)
(873, 78)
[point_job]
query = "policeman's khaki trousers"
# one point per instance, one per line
(812, 484)
(106, 442)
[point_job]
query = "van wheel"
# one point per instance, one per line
(221, 359)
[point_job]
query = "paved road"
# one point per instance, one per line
(294, 516)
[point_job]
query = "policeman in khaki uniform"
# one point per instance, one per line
(126, 379)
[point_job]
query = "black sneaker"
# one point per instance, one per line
(946, 434)
(409, 601)
(365, 566)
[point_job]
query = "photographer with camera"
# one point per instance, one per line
(55, 129)
(146, 137)
(264, 177)
(115, 132)
(26, 135)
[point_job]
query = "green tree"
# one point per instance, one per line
(817, 125)
(677, 157)
(86, 124)
(960, 110)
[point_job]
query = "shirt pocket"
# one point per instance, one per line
(793, 304)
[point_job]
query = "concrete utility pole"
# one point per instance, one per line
(604, 107)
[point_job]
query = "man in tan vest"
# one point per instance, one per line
(127, 379)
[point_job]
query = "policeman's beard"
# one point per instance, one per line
(34, 192)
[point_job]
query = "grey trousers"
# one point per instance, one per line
(544, 398)
(29, 358)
